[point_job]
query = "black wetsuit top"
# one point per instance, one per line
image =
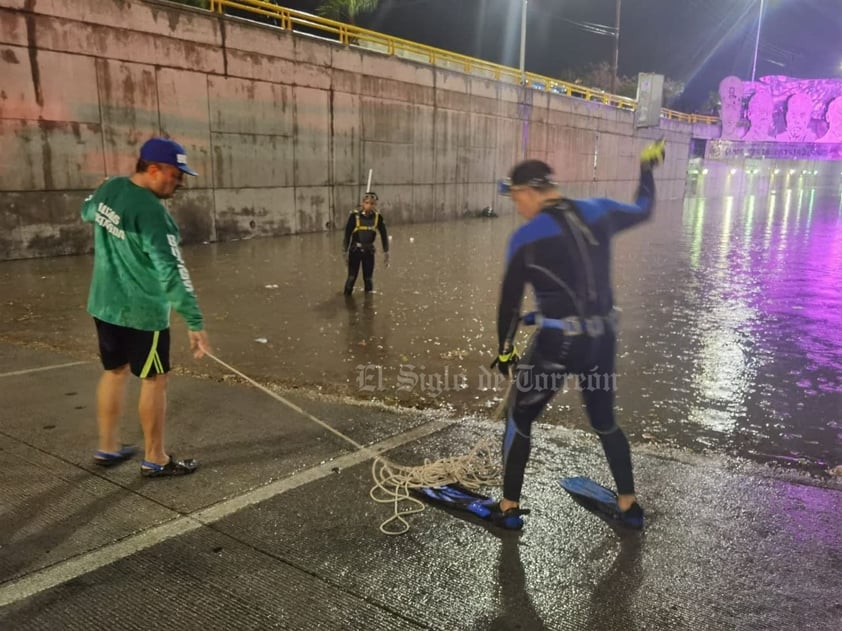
(360, 231)
(564, 253)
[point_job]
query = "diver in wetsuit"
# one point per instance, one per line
(358, 245)
(563, 252)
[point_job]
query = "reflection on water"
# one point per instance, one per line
(730, 332)
(764, 313)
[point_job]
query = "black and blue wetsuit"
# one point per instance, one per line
(360, 236)
(564, 253)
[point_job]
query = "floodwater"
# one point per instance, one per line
(730, 335)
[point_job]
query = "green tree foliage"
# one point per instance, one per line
(711, 104)
(345, 10)
(598, 76)
(672, 89)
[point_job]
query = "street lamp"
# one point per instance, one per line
(616, 60)
(615, 66)
(524, 135)
(757, 42)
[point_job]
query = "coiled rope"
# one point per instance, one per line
(392, 482)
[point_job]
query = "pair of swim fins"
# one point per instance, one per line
(459, 498)
(586, 492)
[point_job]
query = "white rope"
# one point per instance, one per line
(392, 482)
(292, 405)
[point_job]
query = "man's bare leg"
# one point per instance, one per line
(109, 407)
(152, 409)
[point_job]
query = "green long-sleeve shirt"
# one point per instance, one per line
(139, 274)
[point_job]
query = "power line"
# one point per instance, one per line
(590, 27)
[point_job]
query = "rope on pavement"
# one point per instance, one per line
(392, 482)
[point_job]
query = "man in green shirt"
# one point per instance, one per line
(139, 276)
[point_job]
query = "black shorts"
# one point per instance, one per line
(148, 352)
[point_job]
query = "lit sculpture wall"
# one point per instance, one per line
(780, 117)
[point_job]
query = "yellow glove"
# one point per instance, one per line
(653, 154)
(505, 361)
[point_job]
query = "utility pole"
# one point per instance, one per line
(757, 42)
(524, 107)
(525, 100)
(616, 63)
(523, 44)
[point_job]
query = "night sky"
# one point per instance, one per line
(696, 42)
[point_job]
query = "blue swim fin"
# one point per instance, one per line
(454, 495)
(457, 497)
(602, 501)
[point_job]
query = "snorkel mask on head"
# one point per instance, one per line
(505, 186)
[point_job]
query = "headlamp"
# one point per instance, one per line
(504, 187)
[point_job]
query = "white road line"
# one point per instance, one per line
(231, 506)
(64, 571)
(43, 368)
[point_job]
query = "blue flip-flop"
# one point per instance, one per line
(113, 458)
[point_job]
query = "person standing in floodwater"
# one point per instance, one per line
(564, 252)
(358, 246)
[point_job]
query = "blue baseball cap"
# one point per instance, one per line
(166, 151)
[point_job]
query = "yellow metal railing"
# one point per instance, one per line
(348, 34)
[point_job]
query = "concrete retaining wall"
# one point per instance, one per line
(282, 127)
